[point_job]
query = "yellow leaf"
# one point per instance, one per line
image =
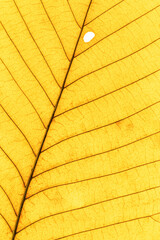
(79, 120)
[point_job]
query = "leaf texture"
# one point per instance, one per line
(79, 122)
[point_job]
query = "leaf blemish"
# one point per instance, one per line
(88, 36)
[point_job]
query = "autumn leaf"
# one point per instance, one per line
(80, 120)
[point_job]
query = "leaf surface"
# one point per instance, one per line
(79, 121)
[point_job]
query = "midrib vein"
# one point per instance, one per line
(48, 127)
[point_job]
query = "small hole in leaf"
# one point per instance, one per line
(88, 36)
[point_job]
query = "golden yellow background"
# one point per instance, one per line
(79, 122)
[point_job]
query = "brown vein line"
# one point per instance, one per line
(109, 225)
(73, 14)
(114, 62)
(97, 128)
(104, 12)
(36, 43)
(90, 205)
(19, 130)
(9, 200)
(23, 92)
(54, 29)
(85, 179)
(118, 30)
(93, 178)
(155, 219)
(83, 104)
(6, 222)
(156, 214)
(97, 154)
(26, 63)
(14, 165)
(34, 166)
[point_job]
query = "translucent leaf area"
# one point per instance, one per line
(79, 120)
